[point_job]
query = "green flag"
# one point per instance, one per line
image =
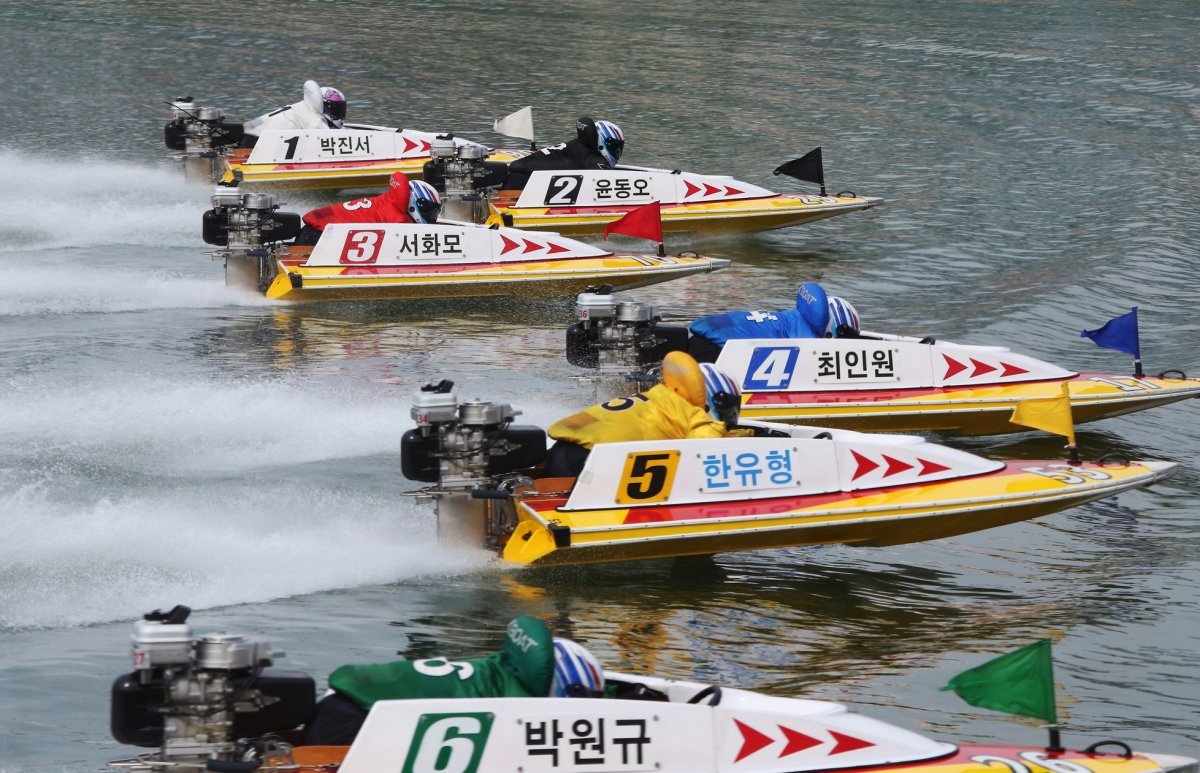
(1020, 682)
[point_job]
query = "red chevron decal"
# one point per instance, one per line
(865, 465)
(796, 741)
(532, 246)
(981, 368)
(895, 466)
(752, 741)
(928, 467)
(426, 145)
(846, 743)
(408, 145)
(1011, 370)
(710, 189)
(509, 245)
(953, 366)
(556, 248)
(731, 191)
(689, 189)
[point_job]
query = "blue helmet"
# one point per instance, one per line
(577, 673)
(424, 203)
(843, 319)
(610, 141)
(724, 397)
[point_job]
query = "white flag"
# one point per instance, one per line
(519, 124)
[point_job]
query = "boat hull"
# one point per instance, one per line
(982, 410)
(526, 279)
(331, 175)
(877, 517)
(716, 217)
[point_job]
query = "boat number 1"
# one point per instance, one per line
(1036, 759)
(1065, 473)
(563, 189)
(648, 477)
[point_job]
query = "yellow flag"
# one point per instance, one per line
(1052, 414)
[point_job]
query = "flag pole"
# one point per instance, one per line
(1055, 744)
(1137, 367)
(662, 250)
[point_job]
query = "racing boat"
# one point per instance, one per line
(786, 486)
(583, 202)
(876, 383)
(356, 156)
(213, 702)
(391, 261)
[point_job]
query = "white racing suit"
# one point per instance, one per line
(305, 114)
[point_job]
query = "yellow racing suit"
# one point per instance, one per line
(657, 414)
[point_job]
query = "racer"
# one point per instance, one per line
(404, 201)
(319, 109)
(816, 315)
(598, 145)
(693, 401)
(531, 664)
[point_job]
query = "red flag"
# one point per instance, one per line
(645, 222)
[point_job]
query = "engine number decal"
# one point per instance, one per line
(1069, 474)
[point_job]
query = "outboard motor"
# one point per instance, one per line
(462, 177)
(470, 451)
(250, 229)
(199, 133)
(206, 698)
(624, 337)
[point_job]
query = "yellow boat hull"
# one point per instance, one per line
(983, 410)
(525, 279)
(332, 175)
(549, 535)
(715, 217)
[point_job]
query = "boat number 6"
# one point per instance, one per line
(1038, 759)
(1065, 473)
(443, 667)
(647, 477)
(361, 247)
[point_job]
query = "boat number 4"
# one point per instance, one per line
(1127, 383)
(771, 367)
(648, 477)
(1066, 473)
(1036, 760)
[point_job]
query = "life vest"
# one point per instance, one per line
(391, 206)
(657, 414)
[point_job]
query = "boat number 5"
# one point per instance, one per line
(563, 189)
(362, 247)
(1036, 759)
(1065, 473)
(647, 477)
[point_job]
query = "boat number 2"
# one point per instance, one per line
(648, 477)
(1036, 759)
(563, 189)
(361, 247)
(1066, 473)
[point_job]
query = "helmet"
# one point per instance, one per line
(681, 374)
(333, 106)
(843, 319)
(724, 399)
(424, 203)
(577, 673)
(610, 141)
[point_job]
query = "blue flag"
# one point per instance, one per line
(1119, 333)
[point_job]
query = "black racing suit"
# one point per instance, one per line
(564, 156)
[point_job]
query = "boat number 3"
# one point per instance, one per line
(362, 247)
(648, 477)
(1065, 473)
(771, 367)
(563, 189)
(448, 743)
(443, 667)
(1035, 759)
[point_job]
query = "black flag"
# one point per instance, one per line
(807, 168)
